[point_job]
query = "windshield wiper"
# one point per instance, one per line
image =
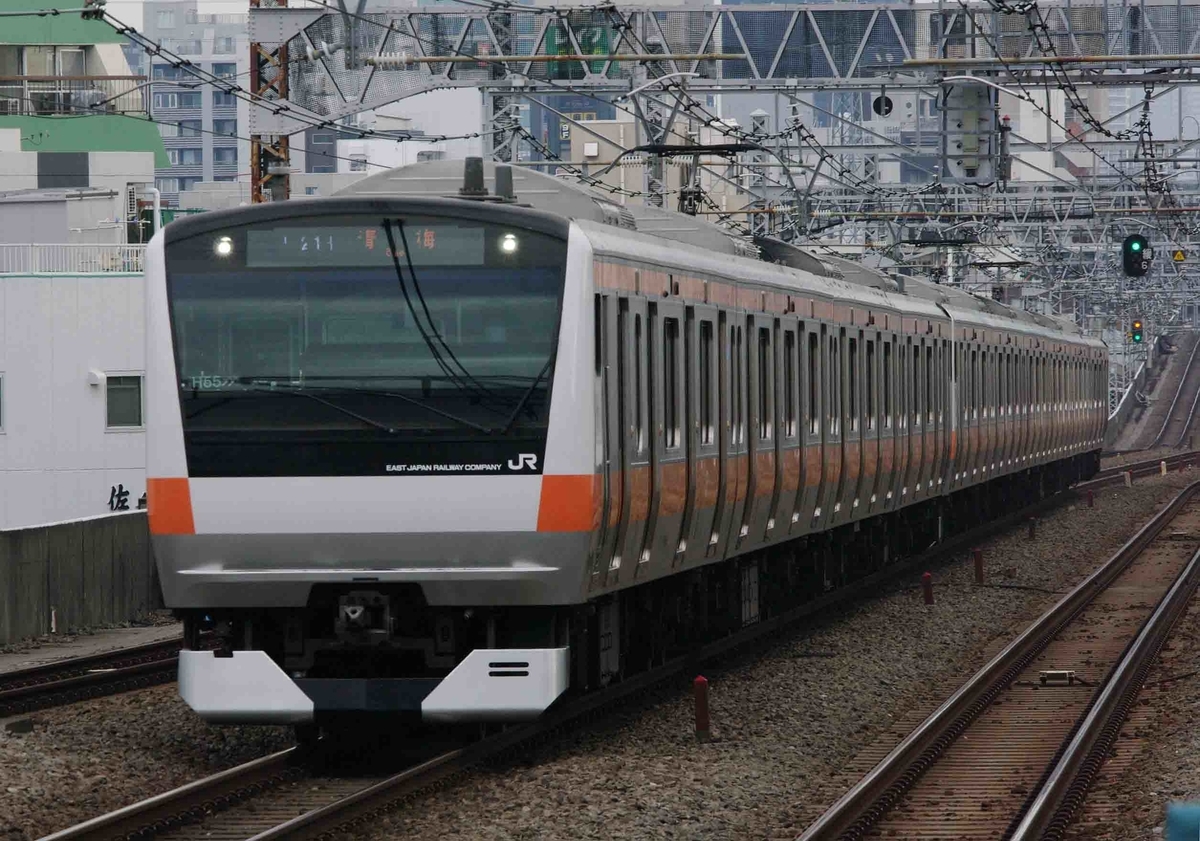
(301, 391)
(306, 390)
(525, 397)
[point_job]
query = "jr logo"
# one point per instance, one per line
(523, 461)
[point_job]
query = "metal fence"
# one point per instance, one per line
(45, 95)
(74, 575)
(70, 259)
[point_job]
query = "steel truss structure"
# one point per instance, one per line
(948, 187)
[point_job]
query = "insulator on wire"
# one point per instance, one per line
(403, 61)
(323, 50)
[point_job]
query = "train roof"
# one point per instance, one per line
(578, 202)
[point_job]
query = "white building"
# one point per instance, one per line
(72, 352)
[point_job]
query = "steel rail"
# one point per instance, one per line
(1182, 382)
(1064, 789)
(1111, 475)
(189, 802)
(876, 793)
(90, 676)
(177, 807)
(1191, 419)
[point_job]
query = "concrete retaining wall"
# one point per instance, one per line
(88, 572)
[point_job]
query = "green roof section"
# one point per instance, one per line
(93, 133)
(67, 28)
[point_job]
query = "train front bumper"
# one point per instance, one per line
(498, 684)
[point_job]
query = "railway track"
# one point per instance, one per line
(1011, 753)
(1149, 467)
(300, 794)
(80, 678)
(1178, 421)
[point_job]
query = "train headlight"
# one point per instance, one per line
(224, 246)
(508, 244)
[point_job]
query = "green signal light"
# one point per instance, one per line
(1135, 246)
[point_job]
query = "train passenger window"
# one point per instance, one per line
(789, 384)
(835, 388)
(640, 431)
(814, 383)
(706, 391)
(738, 388)
(974, 384)
(852, 400)
(929, 383)
(887, 385)
(916, 396)
(870, 384)
(671, 382)
(598, 330)
(766, 379)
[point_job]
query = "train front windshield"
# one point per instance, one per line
(365, 345)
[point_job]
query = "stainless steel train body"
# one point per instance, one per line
(409, 453)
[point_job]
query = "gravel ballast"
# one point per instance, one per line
(96, 756)
(785, 724)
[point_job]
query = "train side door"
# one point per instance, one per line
(872, 429)
(788, 385)
(887, 433)
(732, 371)
(611, 433)
(704, 422)
(668, 445)
(812, 419)
(761, 427)
(831, 450)
(635, 450)
(852, 432)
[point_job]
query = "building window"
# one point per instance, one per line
(168, 130)
(223, 99)
(124, 402)
(190, 100)
(224, 179)
(311, 191)
(188, 47)
(191, 157)
(224, 46)
(166, 71)
(166, 100)
(431, 155)
(190, 128)
(226, 70)
(225, 156)
(166, 19)
(322, 139)
(358, 163)
(167, 185)
(226, 128)
(186, 184)
(1, 402)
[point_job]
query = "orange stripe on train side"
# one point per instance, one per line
(169, 505)
(566, 503)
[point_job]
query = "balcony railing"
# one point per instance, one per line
(70, 259)
(49, 95)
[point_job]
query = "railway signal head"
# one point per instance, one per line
(1136, 255)
(1136, 330)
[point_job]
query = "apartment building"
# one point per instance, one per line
(202, 127)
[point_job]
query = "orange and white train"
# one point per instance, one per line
(428, 449)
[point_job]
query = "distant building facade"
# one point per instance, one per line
(201, 126)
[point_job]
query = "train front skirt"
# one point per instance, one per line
(496, 684)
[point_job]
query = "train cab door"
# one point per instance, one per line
(788, 390)
(703, 427)
(633, 377)
(761, 427)
(610, 435)
(812, 466)
(732, 372)
(668, 445)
